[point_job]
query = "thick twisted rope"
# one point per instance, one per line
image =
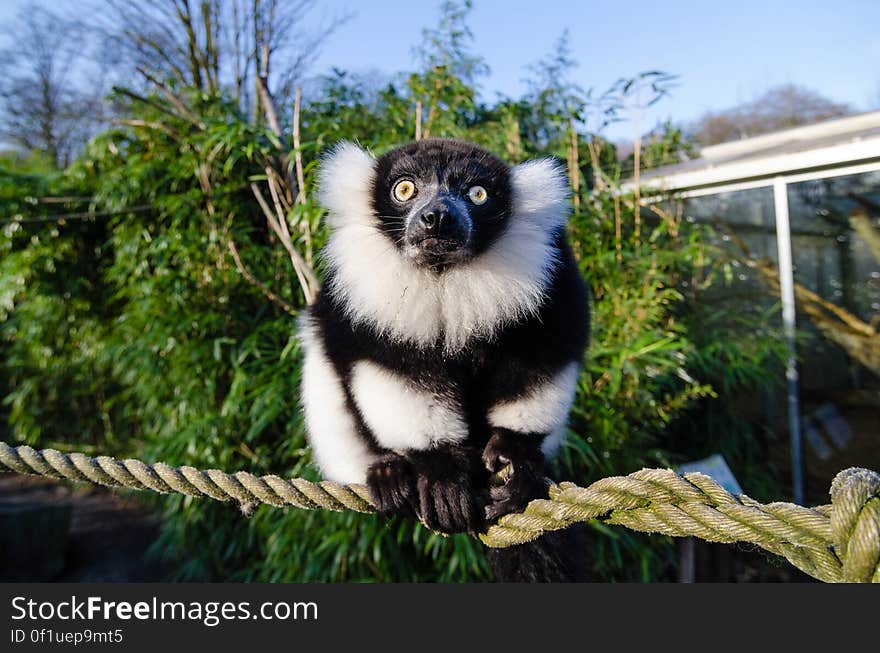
(835, 543)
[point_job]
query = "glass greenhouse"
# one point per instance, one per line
(806, 203)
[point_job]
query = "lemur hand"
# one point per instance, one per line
(438, 485)
(447, 482)
(392, 483)
(525, 478)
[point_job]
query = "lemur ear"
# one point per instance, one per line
(540, 192)
(345, 182)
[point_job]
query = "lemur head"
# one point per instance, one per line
(427, 231)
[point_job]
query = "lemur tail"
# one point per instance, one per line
(556, 557)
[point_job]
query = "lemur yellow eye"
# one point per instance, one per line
(478, 195)
(403, 190)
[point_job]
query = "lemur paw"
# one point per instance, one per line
(445, 486)
(518, 457)
(392, 483)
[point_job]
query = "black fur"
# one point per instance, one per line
(557, 557)
(447, 487)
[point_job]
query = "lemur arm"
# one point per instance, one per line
(523, 427)
(429, 465)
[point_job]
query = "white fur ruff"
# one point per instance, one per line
(380, 288)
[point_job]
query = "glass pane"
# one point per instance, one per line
(747, 213)
(835, 225)
(748, 297)
(744, 221)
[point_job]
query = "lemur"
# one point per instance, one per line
(447, 339)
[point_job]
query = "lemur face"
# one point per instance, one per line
(441, 202)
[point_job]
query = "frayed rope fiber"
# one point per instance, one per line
(839, 542)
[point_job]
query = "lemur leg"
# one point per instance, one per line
(555, 557)
(339, 449)
(524, 428)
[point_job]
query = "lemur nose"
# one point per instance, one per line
(433, 219)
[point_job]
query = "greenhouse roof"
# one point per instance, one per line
(830, 144)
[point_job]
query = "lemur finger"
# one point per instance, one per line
(471, 511)
(459, 511)
(498, 509)
(456, 509)
(448, 518)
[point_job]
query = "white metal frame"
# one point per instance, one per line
(786, 290)
(767, 167)
(789, 179)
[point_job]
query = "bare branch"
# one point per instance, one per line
(146, 124)
(256, 282)
(300, 176)
(179, 104)
(296, 259)
(149, 101)
(195, 59)
(574, 173)
(211, 61)
(618, 238)
(272, 116)
(276, 199)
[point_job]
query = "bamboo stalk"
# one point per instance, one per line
(297, 149)
(574, 175)
(306, 276)
(300, 175)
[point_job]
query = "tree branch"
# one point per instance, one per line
(272, 116)
(150, 102)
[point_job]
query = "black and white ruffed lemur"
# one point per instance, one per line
(447, 340)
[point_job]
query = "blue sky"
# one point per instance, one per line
(724, 52)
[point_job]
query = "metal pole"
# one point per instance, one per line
(786, 285)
